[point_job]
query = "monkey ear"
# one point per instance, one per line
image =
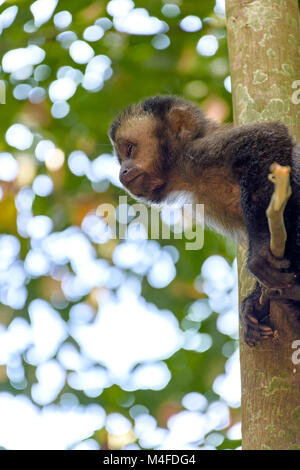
(181, 119)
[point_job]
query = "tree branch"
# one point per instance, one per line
(280, 177)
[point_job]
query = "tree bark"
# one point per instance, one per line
(263, 39)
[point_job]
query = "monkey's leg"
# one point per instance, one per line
(254, 318)
(270, 271)
(287, 299)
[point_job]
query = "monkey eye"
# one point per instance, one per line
(129, 149)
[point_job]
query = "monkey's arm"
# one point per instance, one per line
(239, 148)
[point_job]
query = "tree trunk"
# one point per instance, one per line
(263, 38)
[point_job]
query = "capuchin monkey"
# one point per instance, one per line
(166, 146)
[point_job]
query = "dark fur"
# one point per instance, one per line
(243, 156)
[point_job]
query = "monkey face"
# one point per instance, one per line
(152, 140)
(138, 152)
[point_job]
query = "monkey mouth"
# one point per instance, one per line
(133, 179)
(128, 177)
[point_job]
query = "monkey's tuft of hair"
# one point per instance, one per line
(158, 107)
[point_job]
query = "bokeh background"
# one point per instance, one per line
(107, 343)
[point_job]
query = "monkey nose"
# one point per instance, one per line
(129, 174)
(123, 175)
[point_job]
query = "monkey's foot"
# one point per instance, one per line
(255, 319)
(289, 293)
(289, 301)
(271, 272)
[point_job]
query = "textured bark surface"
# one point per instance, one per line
(263, 38)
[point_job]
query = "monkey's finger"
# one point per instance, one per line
(252, 332)
(265, 328)
(267, 333)
(253, 320)
(264, 299)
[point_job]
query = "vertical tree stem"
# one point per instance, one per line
(263, 38)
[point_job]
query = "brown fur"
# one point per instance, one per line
(178, 151)
(218, 192)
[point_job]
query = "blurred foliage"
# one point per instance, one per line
(139, 70)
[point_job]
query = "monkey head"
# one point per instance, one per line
(149, 139)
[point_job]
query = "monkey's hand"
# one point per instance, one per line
(271, 272)
(254, 319)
